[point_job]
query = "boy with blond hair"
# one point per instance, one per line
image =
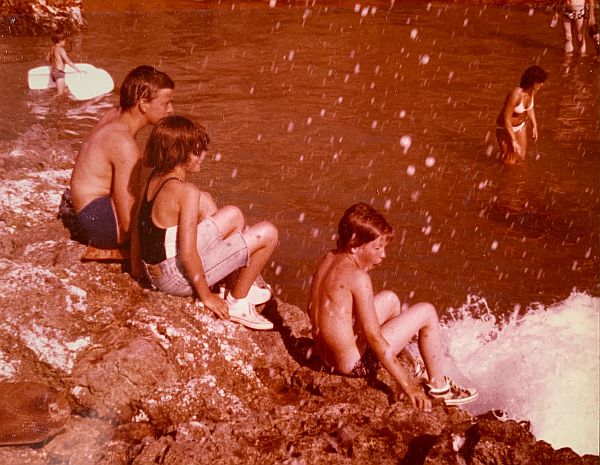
(356, 330)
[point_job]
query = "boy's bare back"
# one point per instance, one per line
(335, 284)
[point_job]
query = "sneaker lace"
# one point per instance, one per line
(456, 390)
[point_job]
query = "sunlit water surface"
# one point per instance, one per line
(313, 109)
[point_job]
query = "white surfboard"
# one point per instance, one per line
(89, 84)
(93, 83)
(39, 78)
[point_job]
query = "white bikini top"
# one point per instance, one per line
(520, 108)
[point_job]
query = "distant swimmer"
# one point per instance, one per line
(511, 124)
(356, 331)
(58, 58)
(574, 14)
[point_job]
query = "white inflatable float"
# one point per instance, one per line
(91, 83)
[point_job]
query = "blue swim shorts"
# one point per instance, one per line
(220, 257)
(98, 224)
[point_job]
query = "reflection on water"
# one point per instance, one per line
(310, 109)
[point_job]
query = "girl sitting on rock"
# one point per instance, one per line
(187, 244)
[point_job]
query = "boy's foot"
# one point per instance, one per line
(245, 314)
(452, 394)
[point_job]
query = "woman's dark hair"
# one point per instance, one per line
(171, 142)
(142, 83)
(532, 75)
(360, 225)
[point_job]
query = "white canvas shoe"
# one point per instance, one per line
(245, 314)
(259, 295)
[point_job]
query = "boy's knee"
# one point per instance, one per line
(391, 300)
(429, 312)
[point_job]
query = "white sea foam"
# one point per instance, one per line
(542, 366)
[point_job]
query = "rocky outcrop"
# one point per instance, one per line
(36, 17)
(154, 379)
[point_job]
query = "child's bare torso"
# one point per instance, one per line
(331, 312)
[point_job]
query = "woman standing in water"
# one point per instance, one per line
(511, 123)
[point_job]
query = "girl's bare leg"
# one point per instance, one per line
(261, 240)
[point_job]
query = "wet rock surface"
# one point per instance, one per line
(154, 379)
(33, 17)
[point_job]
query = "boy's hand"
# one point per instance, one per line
(419, 399)
(217, 305)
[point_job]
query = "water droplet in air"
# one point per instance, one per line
(424, 59)
(410, 170)
(413, 33)
(405, 143)
(435, 248)
(272, 3)
(494, 245)
(429, 162)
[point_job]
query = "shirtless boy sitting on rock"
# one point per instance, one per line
(355, 330)
(104, 182)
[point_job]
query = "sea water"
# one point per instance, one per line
(396, 108)
(540, 365)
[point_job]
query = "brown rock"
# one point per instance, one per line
(30, 412)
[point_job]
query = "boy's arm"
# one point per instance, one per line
(67, 60)
(125, 163)
(362, 292)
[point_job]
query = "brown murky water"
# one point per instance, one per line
(310, 110)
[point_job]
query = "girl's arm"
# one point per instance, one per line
(187, 238)
(534, 130)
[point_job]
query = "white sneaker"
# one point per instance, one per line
(259, 295)
(246, 315)
(451, 393)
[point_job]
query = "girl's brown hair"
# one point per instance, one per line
(171, 142)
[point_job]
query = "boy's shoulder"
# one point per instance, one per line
(338, 266)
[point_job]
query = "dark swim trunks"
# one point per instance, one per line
(57, 74)
(98, 224)
(366, 366)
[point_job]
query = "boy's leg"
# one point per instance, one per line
(60, 86)
(261, 240)
(398, 328)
